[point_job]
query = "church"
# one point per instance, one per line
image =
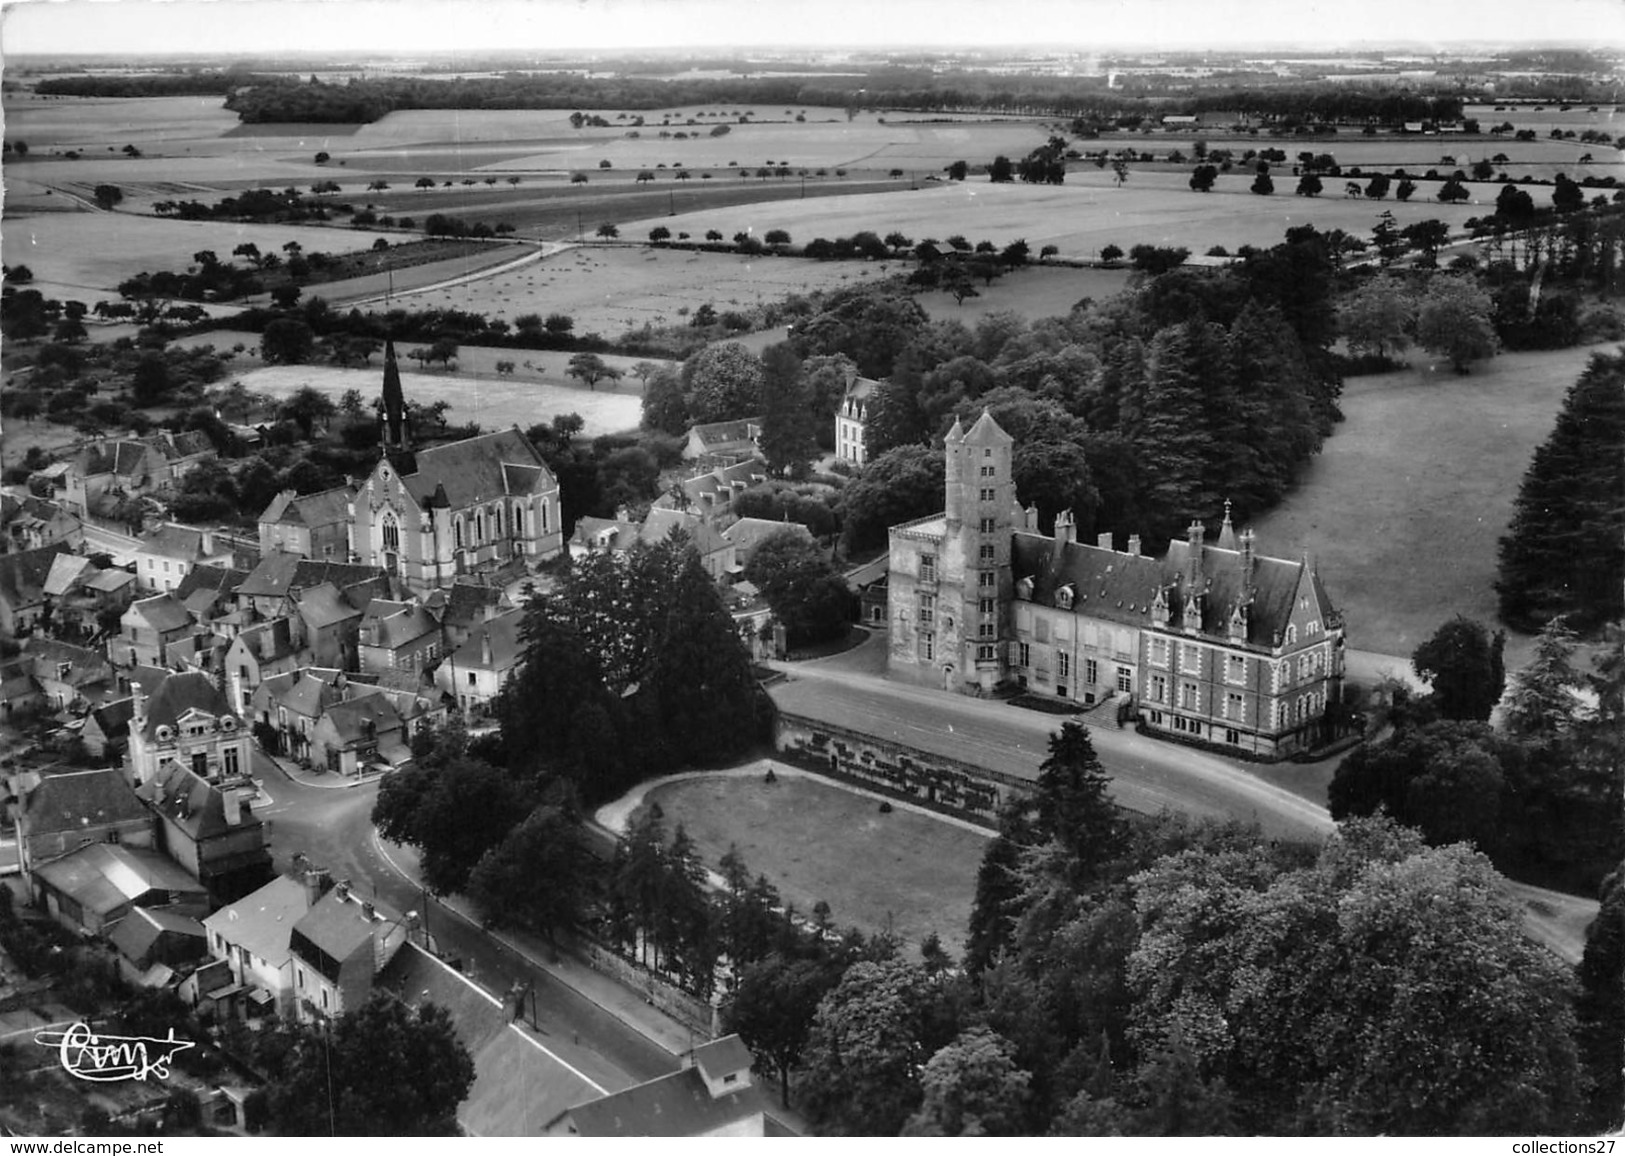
(482, 505)
(1213, 643)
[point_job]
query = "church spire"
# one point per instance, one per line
(395, 434)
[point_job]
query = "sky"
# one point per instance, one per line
(131, 27)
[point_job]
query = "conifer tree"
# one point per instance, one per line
(788, 437)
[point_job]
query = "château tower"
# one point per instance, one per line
(981, 502)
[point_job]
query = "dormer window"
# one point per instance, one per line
(1024, 589)
(1064, 596)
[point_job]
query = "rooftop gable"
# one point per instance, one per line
(180, 693)
(263, 922)
(477, 469)
(81, 799)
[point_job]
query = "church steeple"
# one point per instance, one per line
(396, 437)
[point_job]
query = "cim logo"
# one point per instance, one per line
(106, 1059)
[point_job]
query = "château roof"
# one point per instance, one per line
(987, 432)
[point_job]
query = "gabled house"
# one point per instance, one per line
(278, 579)
(253, 935)
(711, 495)
(852, 421)
(311, 526)
(106, 732)
(153, 632)
(429, 515)
(209, 830)
(154, 943)
(188, 721)
(464, 606)
(70, 677)
(338, 947)
(332, 626)
(56, 814)
(723, 440)
(92, 600)
(713, 1095)
(361, 734)
(23, 599)
(397, 636)
(421, 704)
(27, 523)
(91, 889)
(124, 467)
(209, 593)
(745, 534)
(476, 673)
(261, 651)
(167, 554)
(601, 535)
(288, 706)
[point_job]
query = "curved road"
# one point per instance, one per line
(1147, 774)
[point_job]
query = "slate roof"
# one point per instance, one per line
(615, 535)
(191, 803)
(478, 469)
(719, 1057)
(349, 718)
(172, 541)
(320, 509)
(338, 926)
(263, 921)
(103, 876)
(179, 693)
(109, 580)
(323, 606)
(215, 579)
(720, 433)
(748, 533)
(139, 930)
(398, 624)
(81, 798)
(507, 647)
(280, 631)
(23, 574)
(86, 667)
(703, 536)
(468, 602)
(163, 612)
(678, 1104)
(305, 692)
(113, 718)
(280, 573)
(65, 572)
(719, 482)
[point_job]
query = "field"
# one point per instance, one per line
(908, 871)
(1403, 507)
(1082, 216)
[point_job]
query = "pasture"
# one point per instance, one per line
(1082, 216)
(816, 840)
(1405, 503)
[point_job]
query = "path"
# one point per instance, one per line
(542, 250)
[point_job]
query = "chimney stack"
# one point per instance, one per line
(1193, 561)
(1247, 561)
(1134, 545)
(1104, 540)
(208, 543)
(317, 880)
(485, 648)
(1065, 531)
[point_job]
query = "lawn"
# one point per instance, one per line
(1404, 505)
(816, 840)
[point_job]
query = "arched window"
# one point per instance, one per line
(457, 531)
(479, 527)
(1291, 634)
(392, 533)
(496, 521)
(518, 520)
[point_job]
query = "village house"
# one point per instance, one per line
(286, 707)
(70, 677)
(338, 947)
(851, 421)
(129, 467)
(82, 598)
(359, 735)
(1214, 644)
(56, 814)
(746, 534)
(313, 526)
(253, 935)
(480, 504)
(713, 1094)
(154, 943)
(397, 636)
(23, 600)
(188, 721)
(723, 442)
(210, 831)
(165, 555)
(478, 670)
(152, 632)
(599, 535)
(711, 495)
(91, 889)
(715, 551)
(209, 594)
(29, 522)
(464, 606)
(106, 733)
(273, 588)
(420, 703)
(262, 651)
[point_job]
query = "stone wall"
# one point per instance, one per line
(688, 1010)
(936, 781)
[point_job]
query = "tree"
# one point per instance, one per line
(309, 407)
(1001, 171)
(972, 1087)
(287, 341)
(592, 369)
(861, 1063)
(1111, 254)
(1074, 804)
(902, 484)
(1446, 779)
(1385, 236)
(382, 1069)
(608, 231)
(539, 877)
(772, 1008)
(722, 383)
(777, 238)
(664, 408)
(1564, 550)
(1376, 317)
(1377, 187)
(789, 438)
(107, 196)
(1462, 665)
(1309, 185)
(1541, 701)
(1453, 320)
(659, 233)
(1203, 178)
(1567, 195)
(1428, 237)
(1262, 184)
(807, 594)
(1453, 191)
(1600, 1008)
(999, 886)
(957, 171)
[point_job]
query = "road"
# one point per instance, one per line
(1147, 774)
(333, 827)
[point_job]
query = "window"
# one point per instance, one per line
(457, 532)
(928, 567)
(928, 646)
(1306, 666)
(1156, 688)
(1190, 696)
(544, 517)
(1235, 707)
(987, 630)
(1091, 671)
(1024, 654)
(1063, 664)
(496, 521)
(1190, 659)
(988, 525)
(1312, 626)
(392, 534)
(479, 528)
(1159, 652)
(472, 680)
(988, 605)
(989, 471)
(1291, 635)
(985, 654)
(151, 565)
(200, 765)
(1235, 668)
(989, 494)
(928, 609)
(987, 580)
(230, 760)
(986, 554)
(1125, 679)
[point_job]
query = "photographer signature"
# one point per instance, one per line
(104, 1058)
